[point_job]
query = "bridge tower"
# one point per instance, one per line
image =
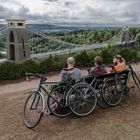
(17, 40)
(126, 37)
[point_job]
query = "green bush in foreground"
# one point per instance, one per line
(10, 71)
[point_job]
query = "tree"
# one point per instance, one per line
(107, 36)
(137, 38)
(83, 59)
(128, 54)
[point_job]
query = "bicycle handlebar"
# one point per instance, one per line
(35, 75)
(133, 61)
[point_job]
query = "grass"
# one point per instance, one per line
(73, 123)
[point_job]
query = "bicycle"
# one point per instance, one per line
(133, 74)
(114, 88)
(35, 104)
(96, 82)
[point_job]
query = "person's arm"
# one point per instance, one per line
(80, 75)
(62, 76)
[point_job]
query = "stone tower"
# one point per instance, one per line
(17, 40)
(125, 36)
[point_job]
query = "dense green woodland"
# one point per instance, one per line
(81, 37)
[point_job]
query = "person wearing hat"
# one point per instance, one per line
(119, 63)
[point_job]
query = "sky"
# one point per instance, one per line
(98, 12)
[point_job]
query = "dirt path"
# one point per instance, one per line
(22, 85)
(118, 123)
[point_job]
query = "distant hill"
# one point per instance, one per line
(55, 28)
(70, 27)
(47, 28)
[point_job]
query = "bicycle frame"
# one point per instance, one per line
(130, 73)
(41, 87)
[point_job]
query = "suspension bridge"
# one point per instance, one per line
(38, 40)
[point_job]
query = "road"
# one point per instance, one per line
(67, 51)
(61, 52)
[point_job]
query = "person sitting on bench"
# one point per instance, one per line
(75, 73)
(119, 63)
(99, 69)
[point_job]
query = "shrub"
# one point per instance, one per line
(60, 62)
(108, 53)
(92, 55)
(128, 54)
(46, 65)
(137, 38)
(83, 59)
(10, 71)
(29, 66)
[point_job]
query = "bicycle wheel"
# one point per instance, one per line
(57, 103)
(82, 99)
(136, 80)
(98, 88)
(33, 109)
(112, 92)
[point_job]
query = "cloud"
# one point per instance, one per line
(73, 11)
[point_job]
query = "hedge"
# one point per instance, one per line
(10, 71)
(15, 70)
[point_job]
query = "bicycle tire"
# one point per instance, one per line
(112, 92)
(37, 102)
(78, 98)
(53, 105)
(98, 87)
(136, 80)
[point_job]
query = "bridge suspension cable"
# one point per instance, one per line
(47, 37)
(70, 44)
(3, 28)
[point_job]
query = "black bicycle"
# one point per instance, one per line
(35, 106)
(133, 74)
(116, 86)
(57, 100)
(96, 82)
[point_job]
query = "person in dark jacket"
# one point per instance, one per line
(99, 69)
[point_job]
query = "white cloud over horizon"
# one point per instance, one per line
(72, 11)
